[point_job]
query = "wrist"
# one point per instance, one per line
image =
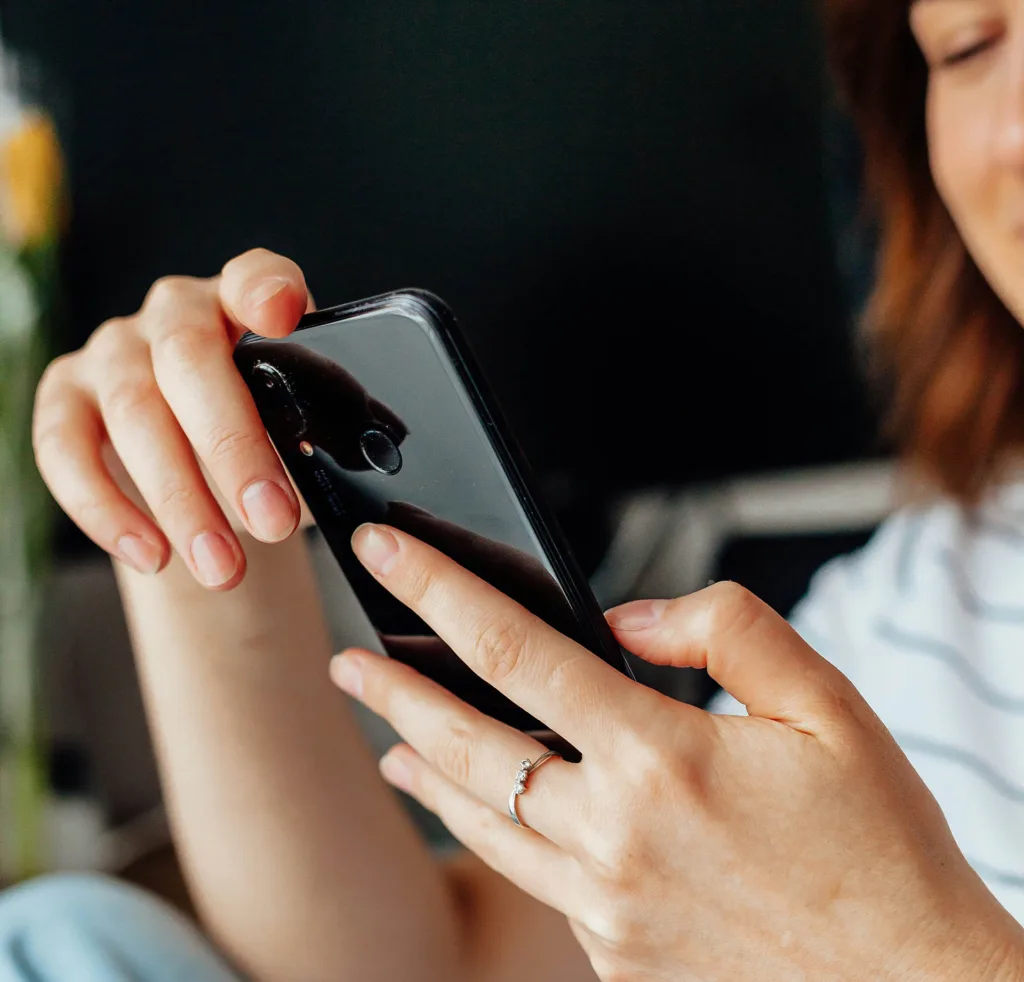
(990, 949)
(1007, 964)
(967, 937)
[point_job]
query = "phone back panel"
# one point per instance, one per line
(379, 416)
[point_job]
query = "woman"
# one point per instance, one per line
(796, 841)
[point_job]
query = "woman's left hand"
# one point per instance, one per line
(795, 843)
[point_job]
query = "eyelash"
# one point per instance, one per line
(961, 57)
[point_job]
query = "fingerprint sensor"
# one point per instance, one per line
(381, 452)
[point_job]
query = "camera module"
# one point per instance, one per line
(380, 451)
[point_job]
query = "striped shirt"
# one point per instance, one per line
(927, 621)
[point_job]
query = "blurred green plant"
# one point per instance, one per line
(31, 212)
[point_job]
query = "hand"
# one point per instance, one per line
(157, 396)
(796, 843)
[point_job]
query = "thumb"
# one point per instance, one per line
(746, 647)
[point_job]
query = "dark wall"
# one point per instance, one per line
(623, 202)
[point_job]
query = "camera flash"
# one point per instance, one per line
(306, 448)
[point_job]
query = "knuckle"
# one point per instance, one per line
(420, 584)
(175, 497)
(501, 646)
(55, 374)
(48, 438)
(479, 827)
(50, 423)
(611, 920)
(649, 762)
(455, 752)
(733, 609)
(426, 788)
(46, 408)
(184, 346)
(660, 769)
(43, 438)
(129, 398)
(105, 341)
(840, 700)
(688, 783)
(167, 290)
(489, 827)
(851, 721)
(563, 681)
(610, 969)
(225, 443)
(91, 512)
(423, 789)
(619, 972)
(618, 855)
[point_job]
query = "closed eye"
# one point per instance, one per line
(966, 54)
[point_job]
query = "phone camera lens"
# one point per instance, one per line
(381, 452)
(269, 374)
(283, 399)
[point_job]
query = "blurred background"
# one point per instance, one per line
(644, 215)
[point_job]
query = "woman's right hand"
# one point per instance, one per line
(160, 390)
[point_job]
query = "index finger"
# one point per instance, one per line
(263, 292)
(571, 690)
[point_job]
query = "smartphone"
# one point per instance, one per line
(380, 414)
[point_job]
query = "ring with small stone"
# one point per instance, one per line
(526, 768)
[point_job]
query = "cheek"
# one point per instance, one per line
(957, 154)
(942, 166)
(980, 189)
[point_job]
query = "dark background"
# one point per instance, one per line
(626, 204)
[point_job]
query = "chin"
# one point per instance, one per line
(1017, 311)
(1014, 303)
(1008, 285)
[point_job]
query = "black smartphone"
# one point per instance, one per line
(380, 414)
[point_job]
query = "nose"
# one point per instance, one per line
(1009, 122)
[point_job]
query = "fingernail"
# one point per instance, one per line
(637, 616)
(376, 547)
(269, 511)
(140, 554)
(265, 290)
(396, 771)
(213, 558)
(347, 675)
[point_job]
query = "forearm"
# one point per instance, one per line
(301, 861)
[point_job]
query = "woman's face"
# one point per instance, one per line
(975, 119)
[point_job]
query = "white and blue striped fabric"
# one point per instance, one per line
(927, 621)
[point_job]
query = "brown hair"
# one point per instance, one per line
(949, 351)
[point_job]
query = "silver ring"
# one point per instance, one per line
(525, 770)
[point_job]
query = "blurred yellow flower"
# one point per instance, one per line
(31, 174)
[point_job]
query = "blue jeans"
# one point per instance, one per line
(80, 928)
